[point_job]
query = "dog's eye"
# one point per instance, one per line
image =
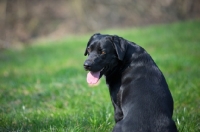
(103, 52)
(88, 50)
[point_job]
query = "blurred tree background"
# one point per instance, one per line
(22, 21)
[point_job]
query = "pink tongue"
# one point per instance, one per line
(93, 77)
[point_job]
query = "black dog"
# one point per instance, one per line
(139, 93)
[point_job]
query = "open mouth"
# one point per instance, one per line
(93, 77)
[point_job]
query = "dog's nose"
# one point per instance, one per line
(87, 65)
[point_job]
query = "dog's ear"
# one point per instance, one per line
(86, 52)
(91, 38)
(120, 46)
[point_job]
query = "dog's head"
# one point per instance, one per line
(104, 53)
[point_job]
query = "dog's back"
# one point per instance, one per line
(147, 103)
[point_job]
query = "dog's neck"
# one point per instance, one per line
(113, 72)
(134, 55)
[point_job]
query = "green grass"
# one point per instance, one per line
(43, 86)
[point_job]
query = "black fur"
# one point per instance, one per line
(139, 92)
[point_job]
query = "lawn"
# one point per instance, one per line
(43, 86)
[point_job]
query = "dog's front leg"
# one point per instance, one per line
(116, 101)
(118, 112)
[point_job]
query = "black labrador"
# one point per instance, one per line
(139, 92)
